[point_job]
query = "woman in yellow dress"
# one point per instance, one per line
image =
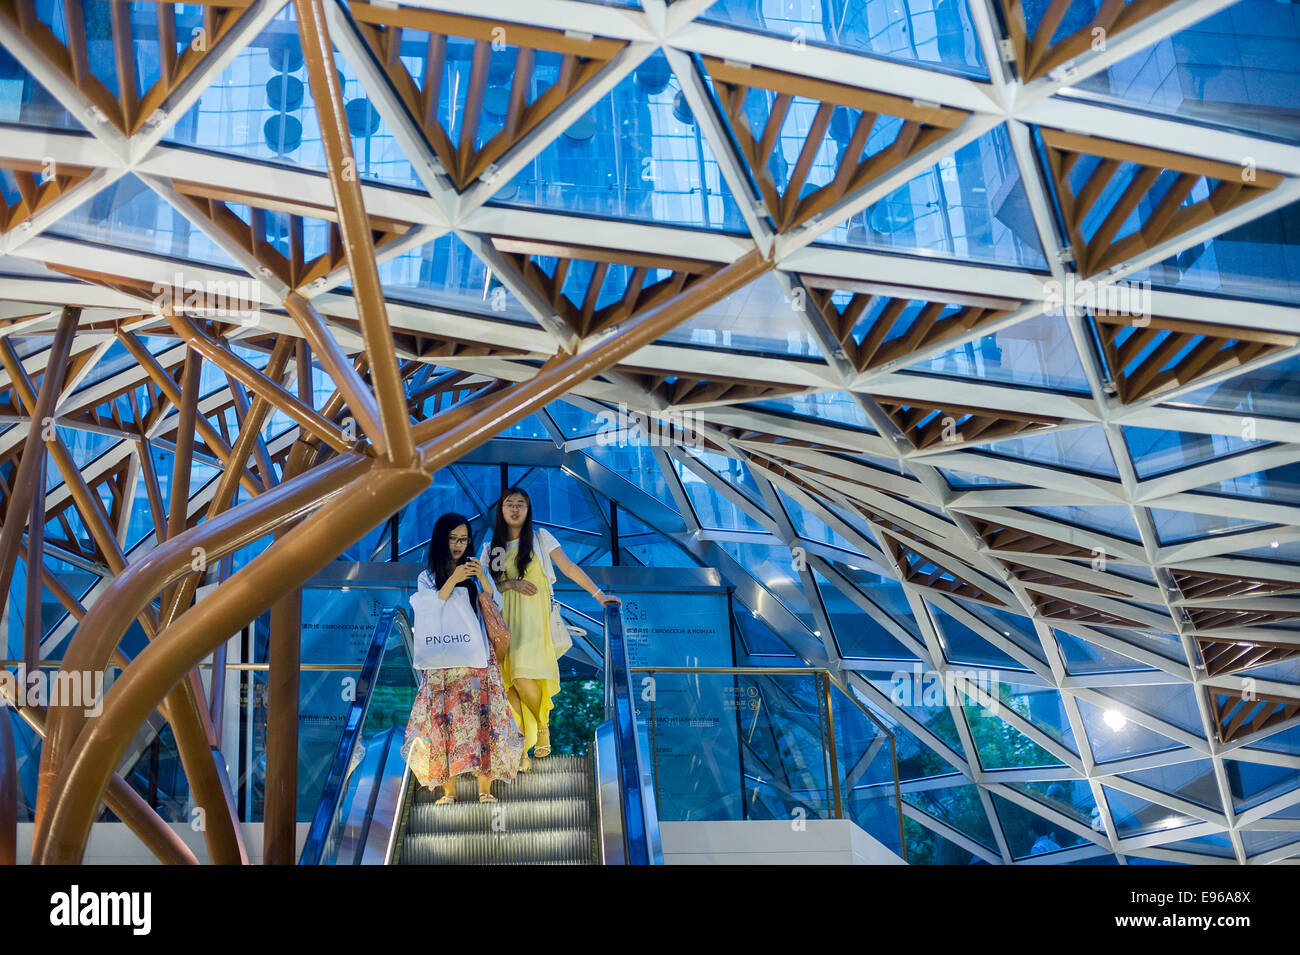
(520, 562)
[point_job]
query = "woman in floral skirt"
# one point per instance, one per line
(461, 721)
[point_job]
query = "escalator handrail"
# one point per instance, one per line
(336, 782)
(640, 814)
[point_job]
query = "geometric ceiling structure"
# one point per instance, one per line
(998, 324)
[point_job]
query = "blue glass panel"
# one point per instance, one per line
(759, 644)
(1156, 451)
(731, 470)
(1255, 842)
(1042, 706)
(447, 274)
(1085, 450)
(811, 527)
(883, 590)
(1215, 844)
(962, 645)
(772, 565)
(1029, 834)
(85, 448)
(261, 107)
(1255, 783)
(25, 102)
(1258, 260)
(757, 318)
(838, 407)
(970, 206)
(1134, 816)
(961, 808)
(858, 634)
(1070, 796)
(934, 32)
(1171, 702)
(634, 462)
(1038, 352)
(1280, 485)
(714, 511)
(575, 422)
(966, 480)
(1237, 68)
(1112, 520)
(637, 155)
(559, 501)
(1287, 741)
(1013, 626)
(1113, 736)
(1000, 745)
(1271, 391)
(1082, 656)
(1174, 527)
(130, 215)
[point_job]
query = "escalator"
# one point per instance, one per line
(578, 810)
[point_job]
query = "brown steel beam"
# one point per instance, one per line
(167, 385)
(284, 655)
(354, 226)
(29, 470)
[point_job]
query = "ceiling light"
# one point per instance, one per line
(1273, 544)
(1115, 720)
(817, 633)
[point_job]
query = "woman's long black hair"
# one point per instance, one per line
(501, 537)
(439, 560)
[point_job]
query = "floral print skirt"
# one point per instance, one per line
(461, 723)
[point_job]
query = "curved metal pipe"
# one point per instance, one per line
(80, 785)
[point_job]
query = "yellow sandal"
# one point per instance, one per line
(542, 748)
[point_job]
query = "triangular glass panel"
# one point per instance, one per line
(1113, 736)
(835, 407)
(1177, 527)
(1257, 260)
(970, 206)
(1135, 816)
(968, 481)
(1000, 745)
(127, 214)
(963, 646)
(858, 634)
(1029, 834)
(873, 28)
(1272, 390)
(1111, 520)
(1216, 844)
(261, 107)
(1083, 450)
(1255, 783)
(25, 102)
(1070, 796)
(756, 318)
(634, 462)
(1083, 657)
(1036, 353)
(637, 154)
(1258, 842)
(1252, 86)
(1193, 781)
(959, 807)
(1042, 706)
(1158, 451)
(1280, 485)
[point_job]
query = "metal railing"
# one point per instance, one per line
(629, 819)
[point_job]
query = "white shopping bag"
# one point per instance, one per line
(447, 633)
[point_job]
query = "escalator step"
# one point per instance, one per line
(535, 785)
(504, 816)
(561, 846)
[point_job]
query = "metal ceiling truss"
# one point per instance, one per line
(586, 282)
